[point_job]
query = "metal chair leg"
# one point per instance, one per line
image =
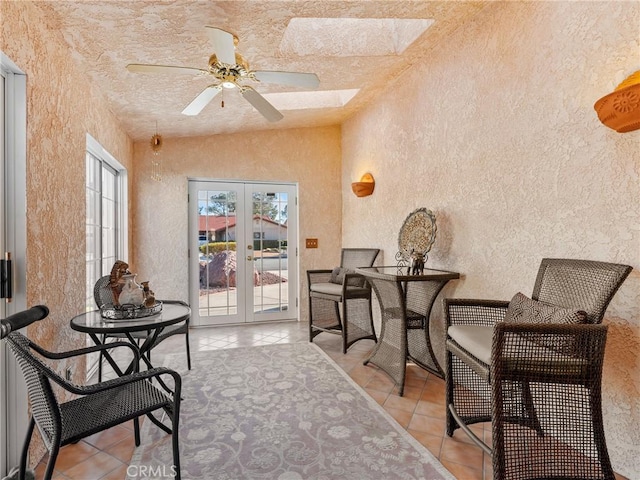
(25, 449)
(188, 350)
(100, 361)
(53, 455)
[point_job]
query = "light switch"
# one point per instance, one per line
(312, 242)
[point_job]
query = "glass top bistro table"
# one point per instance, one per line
(405, 306)
(95, 325)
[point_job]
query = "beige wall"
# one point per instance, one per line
(496, 133)
(62, 107)
(308, 157)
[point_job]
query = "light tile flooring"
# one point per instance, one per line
(105, 456)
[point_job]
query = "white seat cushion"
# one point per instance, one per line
(477, 341)
(335, 290)
(474, 339)
(327, 288)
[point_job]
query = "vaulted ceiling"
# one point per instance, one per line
(355, 59)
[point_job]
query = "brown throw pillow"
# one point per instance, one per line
(337, 276)
(522, 309)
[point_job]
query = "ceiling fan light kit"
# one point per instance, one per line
(231, 70)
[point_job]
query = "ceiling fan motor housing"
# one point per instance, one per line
(223, 71)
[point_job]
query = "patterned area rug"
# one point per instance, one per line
(281, 412)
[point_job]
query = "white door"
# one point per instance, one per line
(243, 239)
(3, 380)
(13, 142)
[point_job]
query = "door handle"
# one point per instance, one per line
(249, 258)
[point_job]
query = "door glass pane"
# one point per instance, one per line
(217, 252)
(93, 172)
(93, 227)
(270, 272)
(109, 205)
(91, 201)
(108, 184)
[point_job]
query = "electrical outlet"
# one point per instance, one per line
(312, 243)
(68, 374)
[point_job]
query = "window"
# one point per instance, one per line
(106, 215)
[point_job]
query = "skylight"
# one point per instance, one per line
(309, 100)
(350, 37)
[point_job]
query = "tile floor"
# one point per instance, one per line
(105, 456)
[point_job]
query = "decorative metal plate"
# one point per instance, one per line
(418, 233)
(127, 312)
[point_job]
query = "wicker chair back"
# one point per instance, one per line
(579, 284)
(44, 407)
(102, 292)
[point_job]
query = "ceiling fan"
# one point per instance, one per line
(230, 71)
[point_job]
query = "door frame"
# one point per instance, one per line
(13, 404)
(244, 228)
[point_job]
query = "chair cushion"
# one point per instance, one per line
(475, 339)
(335, 290)
(522, 309)
(337, 276)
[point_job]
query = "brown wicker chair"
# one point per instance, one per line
(538, 383)
(96, 407)
(330, 289)
(103, 296)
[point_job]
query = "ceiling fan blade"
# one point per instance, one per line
(223, 44)
(141, 68)
(296, 79)
(202, 100)
(267, 110)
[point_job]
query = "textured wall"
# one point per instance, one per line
(496, 133)
(310, 157)
(61, 107)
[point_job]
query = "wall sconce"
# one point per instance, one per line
(365, 186)
(620, 110)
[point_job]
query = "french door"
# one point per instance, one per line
(243, 264)
(13, 144)
(3, 380)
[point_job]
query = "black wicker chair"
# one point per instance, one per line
(103, 296)
(537, 380)
(330, 289)
(96, 407)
